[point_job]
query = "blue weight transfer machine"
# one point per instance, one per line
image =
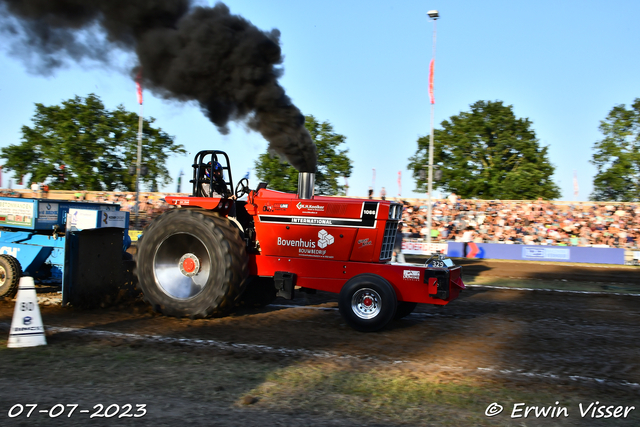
(77, 245)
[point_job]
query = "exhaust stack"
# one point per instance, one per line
(306, 182)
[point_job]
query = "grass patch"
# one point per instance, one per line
(392, 395)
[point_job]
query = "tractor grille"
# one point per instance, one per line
(389, 239)
(390, 231)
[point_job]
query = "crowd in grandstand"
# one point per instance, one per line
(480, 221)
(528, 223)
(494, 221)
(150, 206)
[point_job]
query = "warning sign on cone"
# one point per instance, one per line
(27, 329)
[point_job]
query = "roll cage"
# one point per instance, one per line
(200, 162)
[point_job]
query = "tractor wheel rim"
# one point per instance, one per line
(366, 303)
(189, 265)
(182, 265)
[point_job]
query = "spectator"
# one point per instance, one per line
(424, 231)
(435, 232)
(45, 190)
(383, 193)
(467, 237)
(144, 204)
(453, 200)
(35, 189)
(370, 193)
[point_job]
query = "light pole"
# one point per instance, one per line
(139, 166)
(433, 15)
(139, 157)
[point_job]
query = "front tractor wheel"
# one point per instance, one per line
(367, 302)
(193, 263)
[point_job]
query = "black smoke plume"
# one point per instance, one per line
(186, 52)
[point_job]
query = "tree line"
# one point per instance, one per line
(484, 153)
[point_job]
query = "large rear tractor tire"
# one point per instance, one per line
(10, 273)
(192, 262)
(367, 302)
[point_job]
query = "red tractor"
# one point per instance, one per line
(215, 250)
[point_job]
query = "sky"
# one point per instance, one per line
(363, 67)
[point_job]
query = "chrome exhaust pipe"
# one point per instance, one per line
(306, 182)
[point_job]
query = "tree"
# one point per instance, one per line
(617, 156)
(80, 145)
(332, 163)
(487, 153)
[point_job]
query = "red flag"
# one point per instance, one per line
(139, 86)
(432, 65)
(576, 189)
(373, 185)
(399, 183)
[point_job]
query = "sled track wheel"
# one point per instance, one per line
(192, 263)
(10, 273)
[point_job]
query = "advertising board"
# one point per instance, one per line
(421, 247)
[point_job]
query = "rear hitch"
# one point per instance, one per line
(441, 277)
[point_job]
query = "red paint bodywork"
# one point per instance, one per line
(325, 241)
(330, 276)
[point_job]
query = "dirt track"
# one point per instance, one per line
(539, 337)
(594, 336)
(548, 270)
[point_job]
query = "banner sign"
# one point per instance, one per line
(545, 252)
(576, 254)
(48, 212)
(83, 219)
(16, 213)
(421, 247)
